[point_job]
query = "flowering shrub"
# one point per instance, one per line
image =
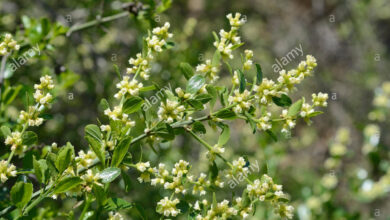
(264, 104)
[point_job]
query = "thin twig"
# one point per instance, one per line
(98, 21)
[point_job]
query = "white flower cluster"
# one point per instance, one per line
(140, 64)
(8, 44)
(16, 142)
(319, 100)
(159, 37)
(167, 207)
(31, 116)
(118, 114)
(155, 43)
(230, 39)
(181, 94)
(295, 76)
(209, 70)
(264, 122)
(215, 150)
(225, 45)
(239, 167)
(85, 160)
(127, 86)
(115, 216)
(90, 178)
(242, 101)
(264, 188)
(265, 91)
(6, 170)
(221, 211)
(170, 111)
(289, 121)
(248, 59)
(42, 95)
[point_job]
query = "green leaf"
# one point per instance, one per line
(195, 83)
(133, 104)
(147, 88)
(127, 181)
(10, 94)
(198, 127)
(295, 108)
(100, 195)
(259, 76)
(67, 184)
(41, 170)
(214, 171)
(104, 104)
(21, 194)
(64, 158)
(237, 46)
(195, 103)
(225, 114)
(97, 147)
(216, 58)
(242, 79)
(283, 101)
(166, 132)
(313, 114)
(45, 27)
(6, 131)
(115, 204)
(272, 135)
(203, 98)
(225, 136)
(187, 70)
(93, 135)
(120, 151)
(109, 174)
(213, 93)
(216, 39)
(117, 71)
(94, 132)
(29, 138)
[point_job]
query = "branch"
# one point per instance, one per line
(97, 21)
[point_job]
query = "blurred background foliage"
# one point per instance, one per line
(338, 168)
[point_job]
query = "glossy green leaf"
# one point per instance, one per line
(242, 80)
(67, 184)
(115, 204)
(225, 114)
(64, 158)
(29, 138)
(259, 76)
(283, 101)
(203, 98)
(120, 151)
(198, 127)
(187, 70)
(6, 131)
(225, 136)
(295, 108)
(41, 170)
(109, 174)
(133, 104)
(21, 194)
(195, 83)
(94, 132)
(97, 147)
